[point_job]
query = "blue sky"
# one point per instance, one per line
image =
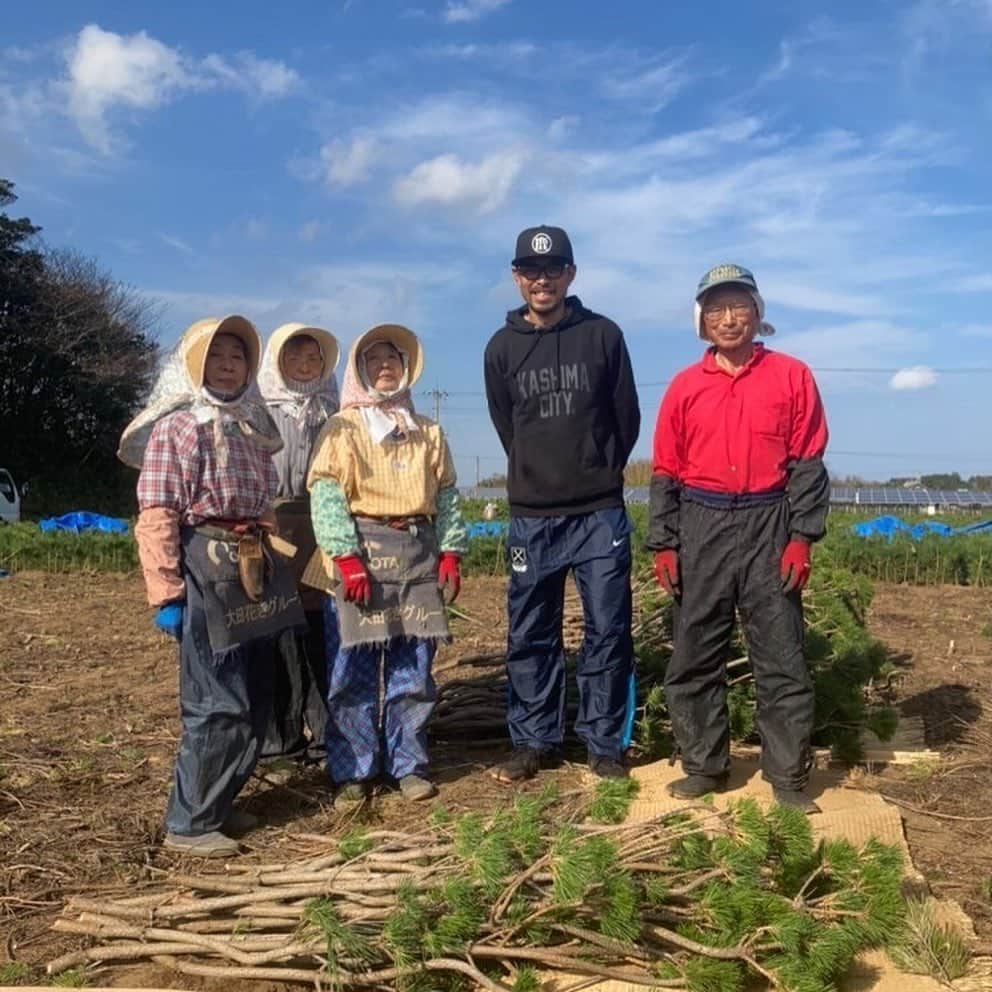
(357, 161)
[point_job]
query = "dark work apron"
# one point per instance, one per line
(295, 525)
(233, 618)
(406, 602)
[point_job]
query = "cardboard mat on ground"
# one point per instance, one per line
(852, 814)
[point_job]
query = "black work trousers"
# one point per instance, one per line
(299, 697)
(729, 561)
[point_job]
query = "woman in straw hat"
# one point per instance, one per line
(389, 533)
(298, 384)
(204, 445)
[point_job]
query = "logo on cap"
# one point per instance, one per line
(541, 243)
(727, 272)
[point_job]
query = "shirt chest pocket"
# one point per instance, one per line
(771, 419)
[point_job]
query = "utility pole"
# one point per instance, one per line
(477, 475)
(438, 395)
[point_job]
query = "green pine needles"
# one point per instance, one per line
(925, 947)
(700, 900)
(844, 659)
(706, 910)
(612, 799)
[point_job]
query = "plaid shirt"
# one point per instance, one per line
(181, 472)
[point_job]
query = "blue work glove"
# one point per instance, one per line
(169, 619)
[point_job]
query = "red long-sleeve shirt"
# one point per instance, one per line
(739, 433)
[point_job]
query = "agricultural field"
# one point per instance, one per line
(88, 727)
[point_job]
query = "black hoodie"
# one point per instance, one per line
(563, 402)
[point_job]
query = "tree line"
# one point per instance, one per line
(638, 473)
(77, 354)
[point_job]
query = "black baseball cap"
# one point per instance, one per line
(544, 242)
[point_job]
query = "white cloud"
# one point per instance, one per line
(256, 229)
(979, 283)
(310, 231)
(107, 69)
(107, 72)
(345, 163)
(177, 243)
(342, 298)
(916, 377)
(802, 293)
(264, 78)
(449, 181)
(513, 51)
(655, 84)
(866, 344)
(455, 117)
(561, 127)
(447, 150)
(471, 10)
(977, 330)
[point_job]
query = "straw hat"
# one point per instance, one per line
(197, 338)
(327, 342)
(400, 337)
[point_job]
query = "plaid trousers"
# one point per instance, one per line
(379, 700)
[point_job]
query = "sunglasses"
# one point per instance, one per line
(534, 272)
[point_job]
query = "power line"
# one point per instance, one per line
(437, 394)
(865, 370)
(941, 456)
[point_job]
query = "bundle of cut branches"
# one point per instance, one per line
(473, 708)
(845, 662)
(696, 899)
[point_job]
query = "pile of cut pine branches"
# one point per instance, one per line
(695, 899)
(845, 661)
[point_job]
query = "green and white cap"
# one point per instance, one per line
(724, 274)
(720, 275)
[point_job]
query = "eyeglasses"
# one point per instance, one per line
(716, 311)
(534, 272)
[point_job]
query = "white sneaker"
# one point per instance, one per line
(415, 788)
(212, 844)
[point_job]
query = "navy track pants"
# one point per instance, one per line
(541, 550)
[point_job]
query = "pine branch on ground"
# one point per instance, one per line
(697, 899)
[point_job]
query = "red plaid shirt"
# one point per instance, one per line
(181, 472)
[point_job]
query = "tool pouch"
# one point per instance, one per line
(253, 564)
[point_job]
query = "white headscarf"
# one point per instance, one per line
(306, 402)
(177, 388)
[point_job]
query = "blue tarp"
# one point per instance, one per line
(80, 521)
(982, 527)
(888, 527)
(487, 528)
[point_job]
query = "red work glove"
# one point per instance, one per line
(448, 575)
(355, 581)
(666, 570)
(795, 566)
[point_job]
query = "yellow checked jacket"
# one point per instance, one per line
(353, 475)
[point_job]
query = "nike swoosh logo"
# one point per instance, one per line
(617, 544)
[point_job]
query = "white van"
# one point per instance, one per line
(10, 499)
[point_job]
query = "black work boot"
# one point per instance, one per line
(795, 798)
(694, 786)
(603, 766)
(524, 763)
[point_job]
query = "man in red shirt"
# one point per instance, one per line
(738, 493)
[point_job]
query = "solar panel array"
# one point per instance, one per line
(897, 496)
(876, 496)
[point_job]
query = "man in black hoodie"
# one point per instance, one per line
(562, 399)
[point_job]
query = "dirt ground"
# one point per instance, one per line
(88, 728)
